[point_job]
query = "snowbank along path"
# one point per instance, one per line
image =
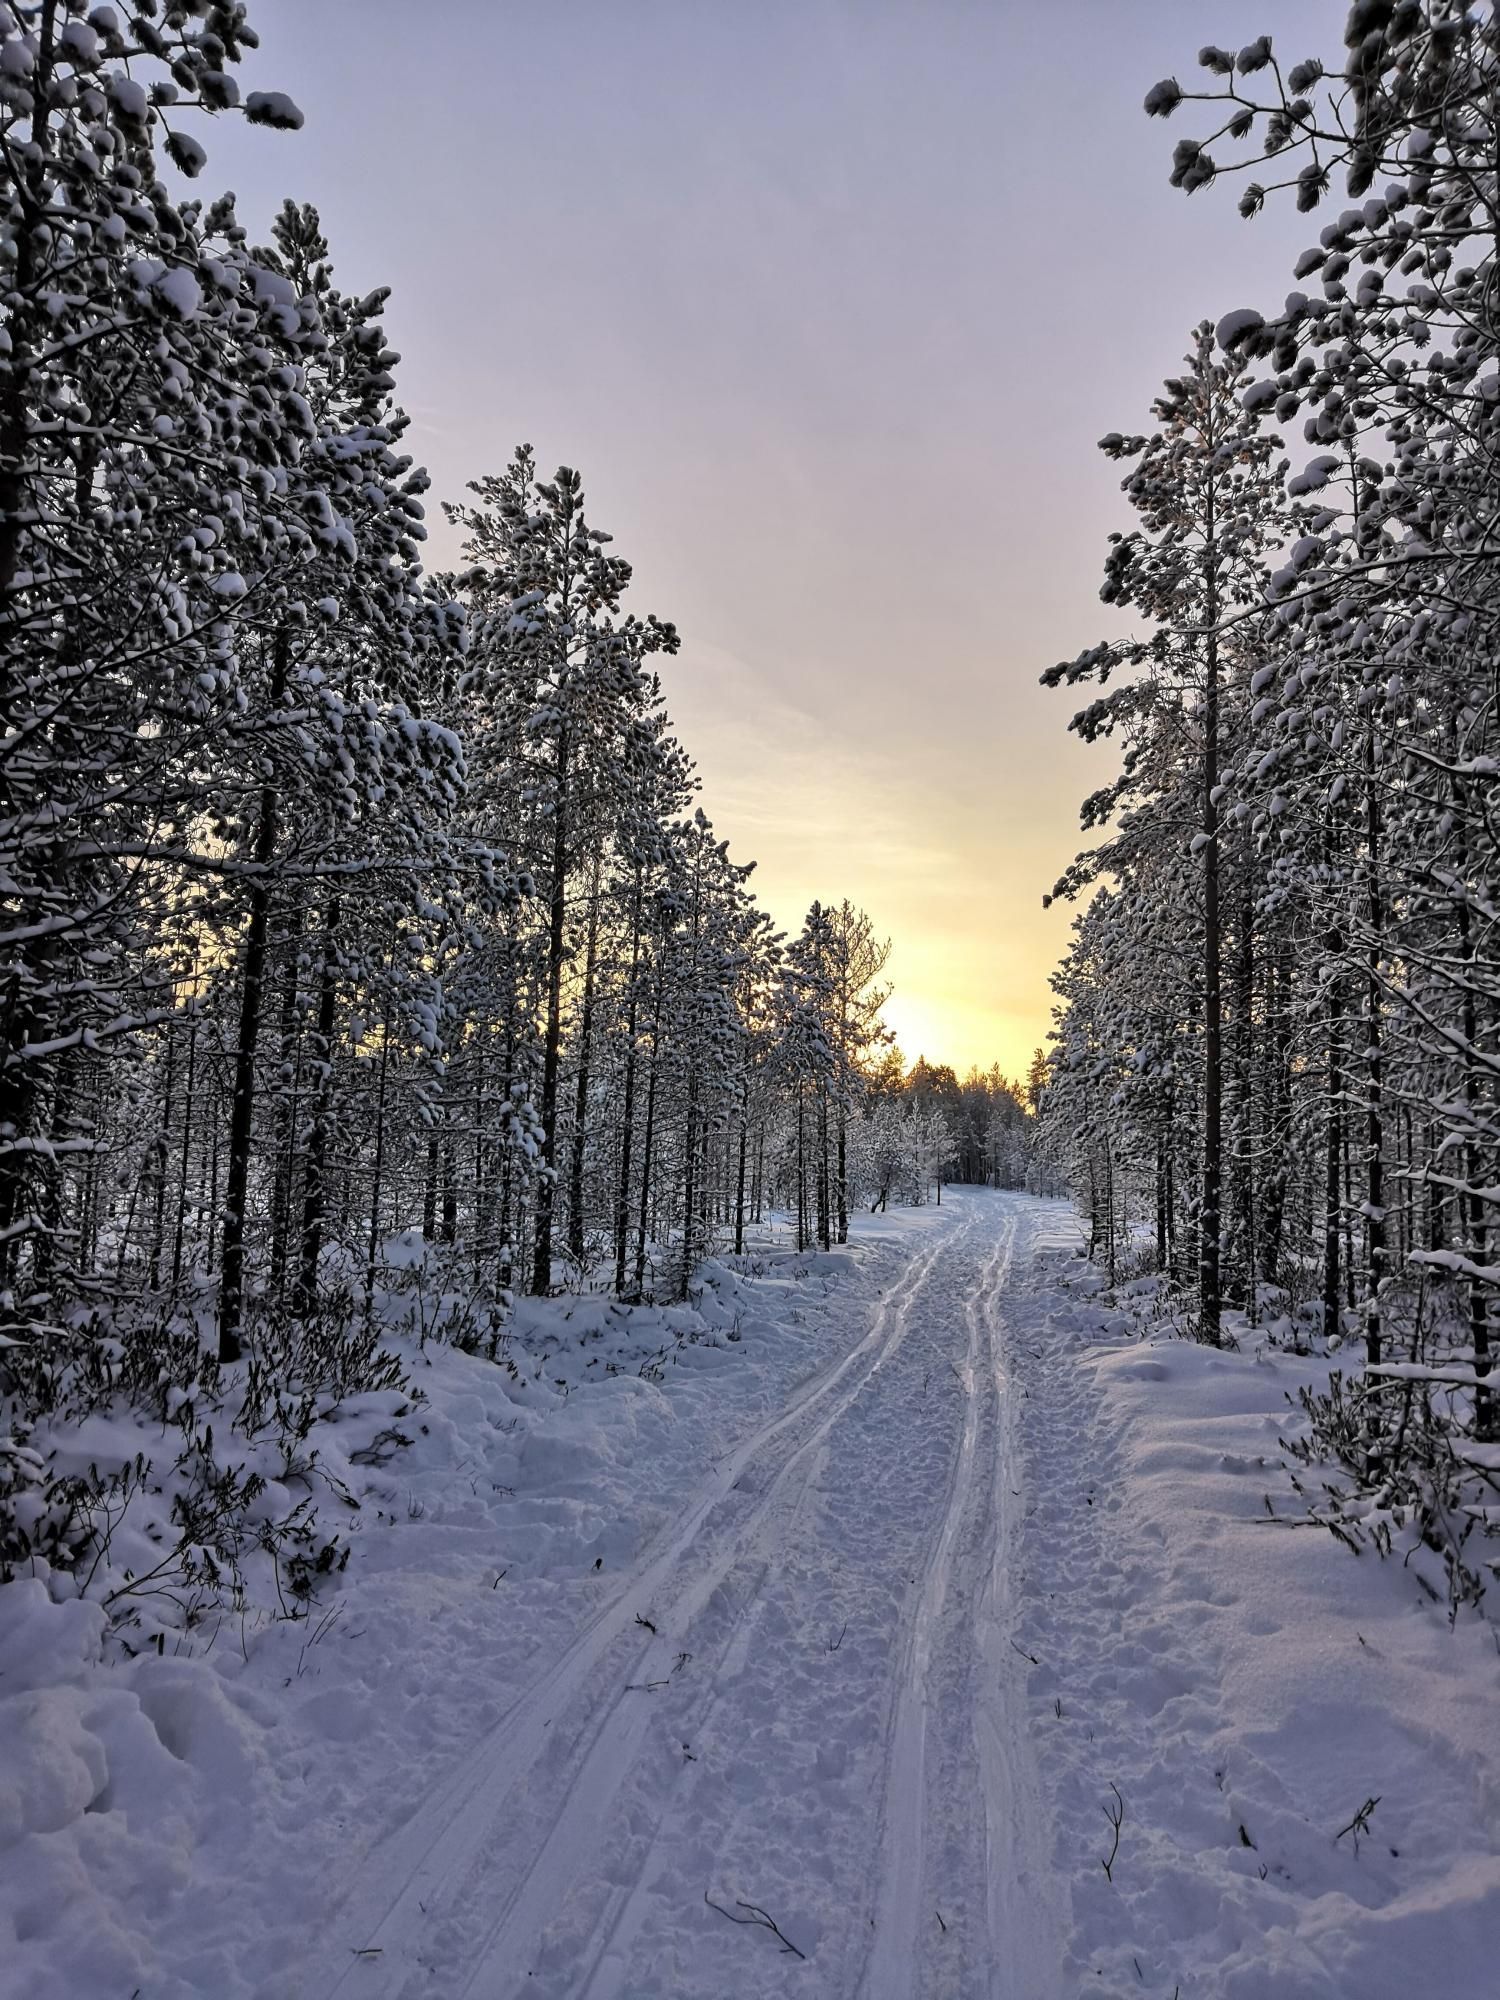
(805, 1698)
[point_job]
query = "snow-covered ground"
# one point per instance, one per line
(1246, 1686)
(845, 1596)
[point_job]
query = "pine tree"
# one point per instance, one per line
(1204, 485)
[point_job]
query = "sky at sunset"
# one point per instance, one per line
(829, 302)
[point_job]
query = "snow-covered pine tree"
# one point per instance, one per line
(562, 675)
(1207, 489)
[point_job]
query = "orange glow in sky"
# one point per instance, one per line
(829, 302)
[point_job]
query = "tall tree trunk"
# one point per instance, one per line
(449, 1228)
(1471, 1203)
(649, 1134)
(1209, 1274)
(546, 1198)
(802, 1231)
(1244, 1065)
(1278, 1112)
(1375, 1225)
(512, 1196)
(739, 1180)
(1333, 1126)
(843, 1170)
(430, 1174)
(187, 1141)
(1170, 1176)
(288, 1093)
(627, 1104)
(1161, 1200)
(581, 1097)
(160, 1150)
(377, 1175)
(824, 1219)
(689, 1187)
(242, 1103)
(315, 1173)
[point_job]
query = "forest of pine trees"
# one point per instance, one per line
(1278, 1043)
(346, 906)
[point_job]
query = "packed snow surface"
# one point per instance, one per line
(856, 1596)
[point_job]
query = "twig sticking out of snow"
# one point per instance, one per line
(1115, 1814)
(1360, 1822)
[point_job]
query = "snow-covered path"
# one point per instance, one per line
(804, 1698)
(861, 1593)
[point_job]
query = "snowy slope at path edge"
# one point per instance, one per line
(1246, 1686)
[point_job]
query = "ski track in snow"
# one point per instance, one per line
(892, 1972)
(787, 1703)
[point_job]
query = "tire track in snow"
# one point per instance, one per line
(891, 1967)
(420, 1871)
(565, 1853)
(1023, 1921)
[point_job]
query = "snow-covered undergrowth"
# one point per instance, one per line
(184, 1772)
(138, 1476)
(1297, 1740)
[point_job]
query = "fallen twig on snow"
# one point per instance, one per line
(650, 1687)
(758, 1917)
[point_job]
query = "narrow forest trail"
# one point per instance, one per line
(804, 1698)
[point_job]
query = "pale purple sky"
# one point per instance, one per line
(829, 300)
